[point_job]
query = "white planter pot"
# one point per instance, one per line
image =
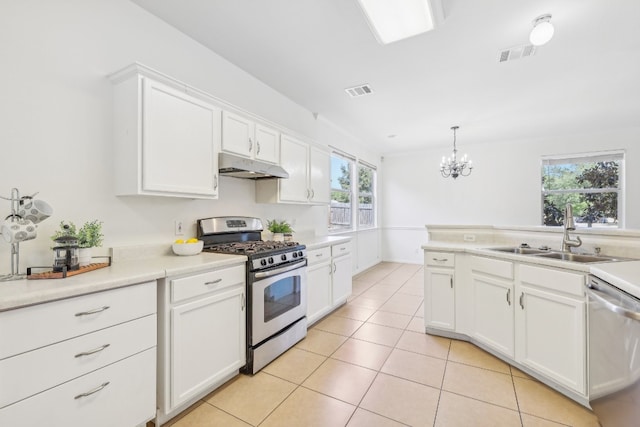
(84, 256)
(278, 237)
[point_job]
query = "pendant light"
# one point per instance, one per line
(452, 167)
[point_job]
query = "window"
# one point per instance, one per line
(592, 183)
(366, 196)
(341, 208)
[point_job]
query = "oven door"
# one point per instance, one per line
(279, 298)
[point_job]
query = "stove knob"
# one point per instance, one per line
(270, 260)
(295, 254)
(263, 262)
(299, 253)
(283, 257)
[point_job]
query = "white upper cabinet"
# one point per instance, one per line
(309, 175)
(166, 141)
(246, 138)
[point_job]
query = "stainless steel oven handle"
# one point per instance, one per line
(263, 274)
(594, 293)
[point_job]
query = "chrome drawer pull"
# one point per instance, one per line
(509, 296)
(90, 392)
(90, 352)
(521, 300)
(440, 259)
(94, 311)
(318, 255)
(213, 282)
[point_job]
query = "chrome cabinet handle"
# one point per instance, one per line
(94, 311)
(250, 144)
(451, 282)
(90, 352)
(215, 181)
(213, 282)
(313, 194)
(90, 392)
(243, 302)
(509, 296)
(440, 259)
(257, 147)
(318, 255)
(308, 194)
(522, 300)
(335, 267)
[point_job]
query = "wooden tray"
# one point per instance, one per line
(64, 273)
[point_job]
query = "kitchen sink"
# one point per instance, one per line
(582, 258)
(520, 250)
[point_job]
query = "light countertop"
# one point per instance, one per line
(20, 293)
(623, 274)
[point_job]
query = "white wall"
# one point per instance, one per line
(504, 188)
(56, 109)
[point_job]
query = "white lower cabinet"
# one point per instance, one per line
(493, 302)
(533, 315)
(439, 292)
(202, 336)
(319, 269)
(341, 278)
(87, 355)
(329, 279)
(551, 325)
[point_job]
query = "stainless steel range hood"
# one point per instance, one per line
(239, 167)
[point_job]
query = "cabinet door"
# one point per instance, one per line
(319, 176)
(180, 134)
(493, 320)
(439, 298)
(207, 342)
(318, 291)
(342, 276)
(294, 156)
(552, 336)
(267, 147)
(237, 134)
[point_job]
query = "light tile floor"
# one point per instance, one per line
(370, 364)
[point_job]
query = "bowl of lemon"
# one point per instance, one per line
(191, 246)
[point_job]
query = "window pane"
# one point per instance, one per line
(366, 200)
(340, 209)
(590, 184)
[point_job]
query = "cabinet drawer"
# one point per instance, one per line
(439, 259)
(318, 256)
(64, 361)
(127, 399)
(555, 280)
(341, 249)
(200, 284)
(492, 267)
(32, 327)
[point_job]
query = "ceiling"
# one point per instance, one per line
(587, 78)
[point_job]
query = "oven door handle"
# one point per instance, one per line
(595, 294)
(263, 274)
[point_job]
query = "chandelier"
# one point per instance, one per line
(452, 167)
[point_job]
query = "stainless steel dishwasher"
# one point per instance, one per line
(614, 354)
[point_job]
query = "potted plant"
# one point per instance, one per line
(279, 229)
(89, 236)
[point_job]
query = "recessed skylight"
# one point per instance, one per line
(393, 20)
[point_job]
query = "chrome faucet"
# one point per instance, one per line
(569, 225)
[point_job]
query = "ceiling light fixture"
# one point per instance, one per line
(453, 168)
(542, 30)
(391, 21)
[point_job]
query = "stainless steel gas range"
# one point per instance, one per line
(276, 285)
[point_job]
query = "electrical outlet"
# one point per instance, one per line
(179, 227)
(469, 237)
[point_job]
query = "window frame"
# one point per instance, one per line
(590, 157)
(374, 207)
(352, 162)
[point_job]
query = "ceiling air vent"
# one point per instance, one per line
(516, 52)
(357, 91)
